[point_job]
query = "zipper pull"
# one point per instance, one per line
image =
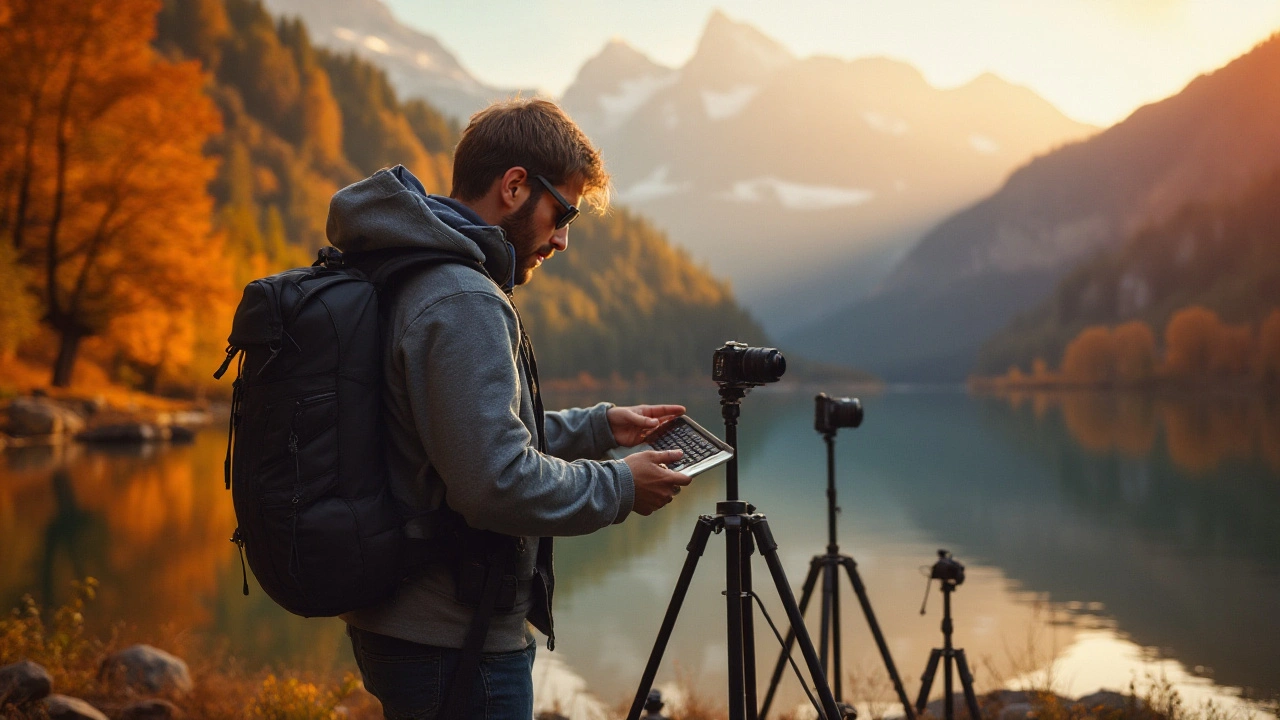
(237, 537)
(293, 443)
(232, 351)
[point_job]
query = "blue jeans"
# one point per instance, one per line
(410, 679)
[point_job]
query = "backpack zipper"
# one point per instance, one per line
(237, 537)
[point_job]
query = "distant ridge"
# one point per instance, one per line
(973, 273)
(801, 179)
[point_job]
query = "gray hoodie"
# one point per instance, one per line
(460, 419)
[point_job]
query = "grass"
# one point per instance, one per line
(224, 690)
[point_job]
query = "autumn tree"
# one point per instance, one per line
(1090, 357)
(1189, 340)
(1269, 348)
(101, 169)
(1135, 352)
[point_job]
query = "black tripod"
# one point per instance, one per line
(828, 566)
(950, 573)
(742, 525)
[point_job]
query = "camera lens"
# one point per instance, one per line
(847, 412)
(763, 365)
(831, 414)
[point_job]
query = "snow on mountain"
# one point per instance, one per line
(722, 105)
(652, 187)
(795, 196)
(418, 65)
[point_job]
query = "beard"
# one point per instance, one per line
(518, 227)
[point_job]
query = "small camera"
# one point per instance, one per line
(831, 414)
(736, 364)
(947, 569)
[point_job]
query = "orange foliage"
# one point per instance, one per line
(1091, 357)
(102, 162)
(1269, 348)
(1135, 352)
(1189, 340)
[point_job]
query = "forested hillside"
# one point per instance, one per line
(154, 164)
(1221, 256)
(624, 300)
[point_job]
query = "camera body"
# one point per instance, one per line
(947, 569)
(831, 414)
(736, 364)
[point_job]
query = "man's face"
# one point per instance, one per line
(531, 229)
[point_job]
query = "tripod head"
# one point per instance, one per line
(737, 368)
(949, 572)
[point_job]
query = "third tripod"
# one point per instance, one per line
(831, 414)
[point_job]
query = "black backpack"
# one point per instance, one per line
(305, 466)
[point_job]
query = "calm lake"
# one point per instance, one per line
(1108, 539)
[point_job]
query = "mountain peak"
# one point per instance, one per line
(732, 50)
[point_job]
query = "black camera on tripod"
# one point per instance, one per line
(831, 414)
(736, 364)
(947, 569)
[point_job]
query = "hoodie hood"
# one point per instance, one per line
(391, 209)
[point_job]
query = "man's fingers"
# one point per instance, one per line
(661, 411)
(662, 457)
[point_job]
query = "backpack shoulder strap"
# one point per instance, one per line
(383, 267)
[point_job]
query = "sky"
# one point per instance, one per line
(1096, 60)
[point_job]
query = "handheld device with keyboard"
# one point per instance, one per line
(702, 450)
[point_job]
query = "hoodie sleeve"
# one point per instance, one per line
(465, 395)
(580, 433)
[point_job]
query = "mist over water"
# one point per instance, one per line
(1127, 535)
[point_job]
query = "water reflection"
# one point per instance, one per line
(1154, 519)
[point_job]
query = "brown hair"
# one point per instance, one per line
(531, 133)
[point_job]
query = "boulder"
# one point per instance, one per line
(936, 709)
(151, 709)
(23, 682)
(147, 669)
(62, 707)
(40, 416)
(180, 434)
(131, 432)
(1017, 711)
(1108, 700)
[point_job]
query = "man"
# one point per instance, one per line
(464, 420)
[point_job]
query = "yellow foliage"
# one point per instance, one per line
(293, 699)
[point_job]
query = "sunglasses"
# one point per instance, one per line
(570, 211)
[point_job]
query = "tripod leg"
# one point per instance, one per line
(949, 700)
(860, 590)
(926, 680)
(810, 582)
(748, 629)
(966, 681)
(836, 664)
(733, 597)
(697, 544)
(769, 549)
(824, 647)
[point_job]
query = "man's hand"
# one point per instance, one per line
(631, 424)
(655, 484)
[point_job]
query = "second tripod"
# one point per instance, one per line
(831, 414)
